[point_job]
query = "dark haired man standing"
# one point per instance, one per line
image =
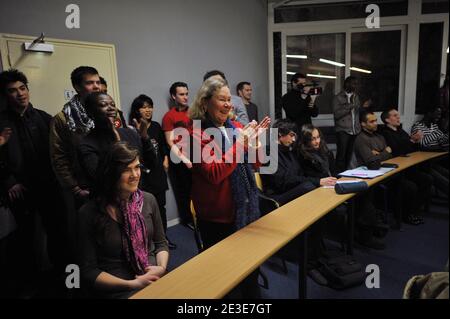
(67, 129)
(298, 104)
(29, 187)
(244, 90)
(179, 173)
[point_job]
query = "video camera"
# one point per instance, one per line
(315, 89)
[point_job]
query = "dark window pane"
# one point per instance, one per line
(381, 86)
(434, 6)
(429, 66)
(330, 47)
(277, 73)
(335, 11)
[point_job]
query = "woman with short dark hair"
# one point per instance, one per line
(122, 247)
(155, 182)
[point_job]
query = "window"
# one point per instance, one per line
(335, 11)
(434, 6)
(429, 66)
(375, 61)
(277, 73)
(321, 57)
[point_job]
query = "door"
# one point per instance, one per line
(49, 73)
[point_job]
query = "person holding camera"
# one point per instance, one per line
(299, 102)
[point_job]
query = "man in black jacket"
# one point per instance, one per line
(298, 104)
(371, 150)
(30, 184)
(289, 181)
(402, 144)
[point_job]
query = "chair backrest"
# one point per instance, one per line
(198, 239)
(258, 181)
(193, 213)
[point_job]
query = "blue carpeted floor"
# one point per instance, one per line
(415, 250)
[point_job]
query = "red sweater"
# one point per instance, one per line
(211, 184)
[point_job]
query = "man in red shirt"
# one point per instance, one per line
(179, 173)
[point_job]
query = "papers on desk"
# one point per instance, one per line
(363, 172)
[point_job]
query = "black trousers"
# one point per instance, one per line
(423, 182)
(440, 177)
(344, 143)
(409, 192)
(71, 206)
(161, 199)
(406, 203)
(25, 245)
(211, 234)
(366, 214)
(181, 181)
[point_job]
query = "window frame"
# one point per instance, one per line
(409, 24)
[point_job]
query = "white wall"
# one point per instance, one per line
(160, 41)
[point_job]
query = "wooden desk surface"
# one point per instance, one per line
(406, 162)
(216, 271)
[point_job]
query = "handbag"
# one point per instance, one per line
(340, 270)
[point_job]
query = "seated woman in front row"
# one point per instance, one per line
(121, 238)
(290, 181)
(314, 156)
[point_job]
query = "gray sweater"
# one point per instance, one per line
(100, 243)
(346, 115)
(240, 110)
(365, 143)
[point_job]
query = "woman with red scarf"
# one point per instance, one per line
(121, 237)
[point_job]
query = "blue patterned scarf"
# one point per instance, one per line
(243, 186)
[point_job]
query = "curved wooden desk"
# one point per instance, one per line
(216, 271)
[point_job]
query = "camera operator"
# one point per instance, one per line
(299, 103)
